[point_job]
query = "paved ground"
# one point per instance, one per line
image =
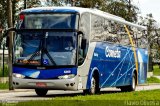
(25, 95)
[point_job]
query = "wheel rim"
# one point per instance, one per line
(93, 85)
(133, 83)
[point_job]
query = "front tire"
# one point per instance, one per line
(94, 88)
(41, 92)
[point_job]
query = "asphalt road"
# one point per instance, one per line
(26, 95)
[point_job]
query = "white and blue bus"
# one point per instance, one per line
(71, 48)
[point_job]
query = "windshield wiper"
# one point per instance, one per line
(43, 51)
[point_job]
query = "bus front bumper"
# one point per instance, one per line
(54, 84)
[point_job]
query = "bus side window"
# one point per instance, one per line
(113, 32)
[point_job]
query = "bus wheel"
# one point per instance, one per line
(94, 88)
(131, 87)
(41, 92)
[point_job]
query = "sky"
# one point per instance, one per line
(149, 6)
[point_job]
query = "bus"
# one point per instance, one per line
(73, 48)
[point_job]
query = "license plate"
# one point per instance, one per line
(41, 84)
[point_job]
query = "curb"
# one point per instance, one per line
(147, 84)
(17, 90)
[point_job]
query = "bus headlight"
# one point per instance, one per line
(67, 76)
(18, 75)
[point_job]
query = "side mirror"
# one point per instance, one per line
(83, 44)
(84, 41)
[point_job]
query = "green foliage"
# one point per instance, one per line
(6, 71)
(137, 95)
(3, 13)
(16, 7)
(156, 70)
(124, 10)
(4, 86)
(72, 103)
(33, 3)
(92, 3)
(54, 2)
(153, 80)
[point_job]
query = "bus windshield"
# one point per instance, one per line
(48, 21)
(45, 48)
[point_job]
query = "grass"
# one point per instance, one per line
(6, 72)
(153, 80)
(4, 85)
(156, 70)
(104, 99)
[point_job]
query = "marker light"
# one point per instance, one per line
(21, 17)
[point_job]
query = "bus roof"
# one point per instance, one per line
(81, 11)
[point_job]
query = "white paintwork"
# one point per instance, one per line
(83, 70)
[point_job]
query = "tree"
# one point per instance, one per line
(123, 9)
(3, 16)
(33, 3)
(78, 3)
(3, 13)
(55, 2)
(92, 4)
(151, 24)
(10, 24)
(152, 37)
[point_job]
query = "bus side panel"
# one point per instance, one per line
(126, 67)
(142, 55)
(114, 64)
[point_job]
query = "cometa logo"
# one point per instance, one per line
(112, 53)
